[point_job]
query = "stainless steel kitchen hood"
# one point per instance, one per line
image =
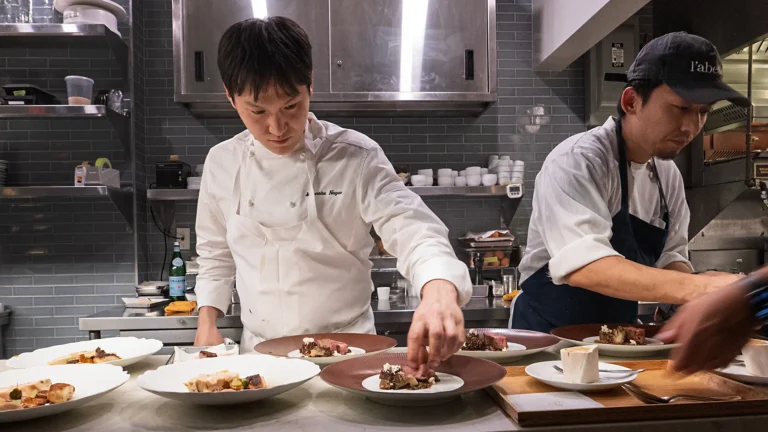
(735, 73)
(371, 57)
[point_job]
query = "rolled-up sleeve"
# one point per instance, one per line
(408, 228)
(676, 247)
(575, 218)
(216, 276)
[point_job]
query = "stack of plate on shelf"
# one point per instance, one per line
(104, 12)
(3, 172)
(490, 240)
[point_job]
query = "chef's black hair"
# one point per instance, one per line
(643, 88)
(257, 53)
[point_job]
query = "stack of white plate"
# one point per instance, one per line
(3, 172)
(104, 12)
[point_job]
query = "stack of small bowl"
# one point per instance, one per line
(507, 170)
(447, 177)
(3, 172)
(425, 177)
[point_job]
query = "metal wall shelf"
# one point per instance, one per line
(121, 198)
(50, 35)
(120, 123)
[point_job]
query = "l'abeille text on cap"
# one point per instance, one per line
(690, 65)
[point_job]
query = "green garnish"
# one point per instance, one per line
(15, 394)
(245, 384)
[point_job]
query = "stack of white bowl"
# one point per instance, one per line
(445, 177)
(474, 175)
(507, 170)
(3, 172)
(425, 177)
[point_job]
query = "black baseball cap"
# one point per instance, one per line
(690, 65)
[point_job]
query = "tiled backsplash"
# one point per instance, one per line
(88, 260)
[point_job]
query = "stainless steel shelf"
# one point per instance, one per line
(459, 190)
(119, 122)
(48, 35)
(121, 198)
(172, 194)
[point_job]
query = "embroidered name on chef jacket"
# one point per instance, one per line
(325, 193)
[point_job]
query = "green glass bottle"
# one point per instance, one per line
(177, 275)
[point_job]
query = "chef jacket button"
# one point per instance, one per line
(291, 204)
(302, 156)
(250, 311)
(250, 203)
(253, 154)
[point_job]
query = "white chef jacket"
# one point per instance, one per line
(577, 193)
(356, 187)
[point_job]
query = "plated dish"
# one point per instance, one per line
(366, 375)
(617, 340)
(487, 343)
(738, 372)
(42, 391)
(546, 373)
(119, 351)
(227, 380)
(326, 348)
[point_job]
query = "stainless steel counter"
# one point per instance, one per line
(392, 318)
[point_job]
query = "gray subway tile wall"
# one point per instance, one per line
(66, 259)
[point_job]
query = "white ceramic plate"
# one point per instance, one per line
(447, 383)
(114, 8)
(546, 373)
(322, 361)
(129, 349)
(280, 374)
(514, 352)
(652, 347)
(738, 372)
(90, 381)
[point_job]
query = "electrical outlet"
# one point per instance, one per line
(184, 236)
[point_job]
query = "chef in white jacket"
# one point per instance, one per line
(287, 205)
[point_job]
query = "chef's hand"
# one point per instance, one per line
(437, 323)
(207, 332)
(711, 330)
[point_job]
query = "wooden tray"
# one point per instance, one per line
(618, 406)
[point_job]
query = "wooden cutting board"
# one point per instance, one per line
(532, 403)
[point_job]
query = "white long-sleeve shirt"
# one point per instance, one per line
(577, 193)
(356, 188)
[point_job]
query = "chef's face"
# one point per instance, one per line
(275, 119)
(667, 122)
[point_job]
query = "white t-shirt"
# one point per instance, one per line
(577, 193)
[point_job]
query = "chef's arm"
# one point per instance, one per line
(216, 276)
(679, 266)
(408, 228)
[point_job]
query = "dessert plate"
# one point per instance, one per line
(546, 373)
(280, 375)
(359, 344)
(738, 372)
(91, 381)
(587, 334)
(350, 375)
(129, 349)
(447, 383)
(520, 343)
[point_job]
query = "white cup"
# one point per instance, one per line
(504, 157)
(454, 174)
(483, 171)
(445, 181)
(383, 292)
(474, 170)
(444, 172)
(474, 180)
(462, 173)
(489, 179)
(460, 181)
(383, 304)
(493, 158)
(430, 181)
(518, 163)
(756, 357)
(426, 172)
(418, 180)
(504, 176)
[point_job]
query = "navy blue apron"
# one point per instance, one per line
(543, 305)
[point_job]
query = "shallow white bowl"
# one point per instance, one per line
(91, 381)
(444, 172)
(473, 170)
(445, 181)
(489, 179)
(129, 349)
(280, 374)
(418, 180)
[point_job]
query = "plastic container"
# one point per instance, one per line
(79, 90)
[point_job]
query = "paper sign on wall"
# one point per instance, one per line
(617, 55)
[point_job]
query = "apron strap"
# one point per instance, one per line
(662, 196)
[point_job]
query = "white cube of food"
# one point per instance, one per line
(580, 364)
